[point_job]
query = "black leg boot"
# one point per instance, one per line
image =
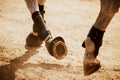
(32, 39)
(42, 11)
(40, 25)
(92, 44)
(39, 34)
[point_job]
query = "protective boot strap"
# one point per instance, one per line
(41, 9)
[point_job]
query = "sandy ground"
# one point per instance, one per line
(70, 19)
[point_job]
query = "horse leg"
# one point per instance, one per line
(108, 10)
(94, 38)
(55, 46)
(39, 33)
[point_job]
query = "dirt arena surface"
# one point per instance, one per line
(70, 19)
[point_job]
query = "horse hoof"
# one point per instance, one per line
(57, 48)
(90, 67)
(33, 41)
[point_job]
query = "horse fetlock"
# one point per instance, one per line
(33, 41)
(94, 41)
(90, 46)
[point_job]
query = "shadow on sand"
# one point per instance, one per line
(7, 72)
